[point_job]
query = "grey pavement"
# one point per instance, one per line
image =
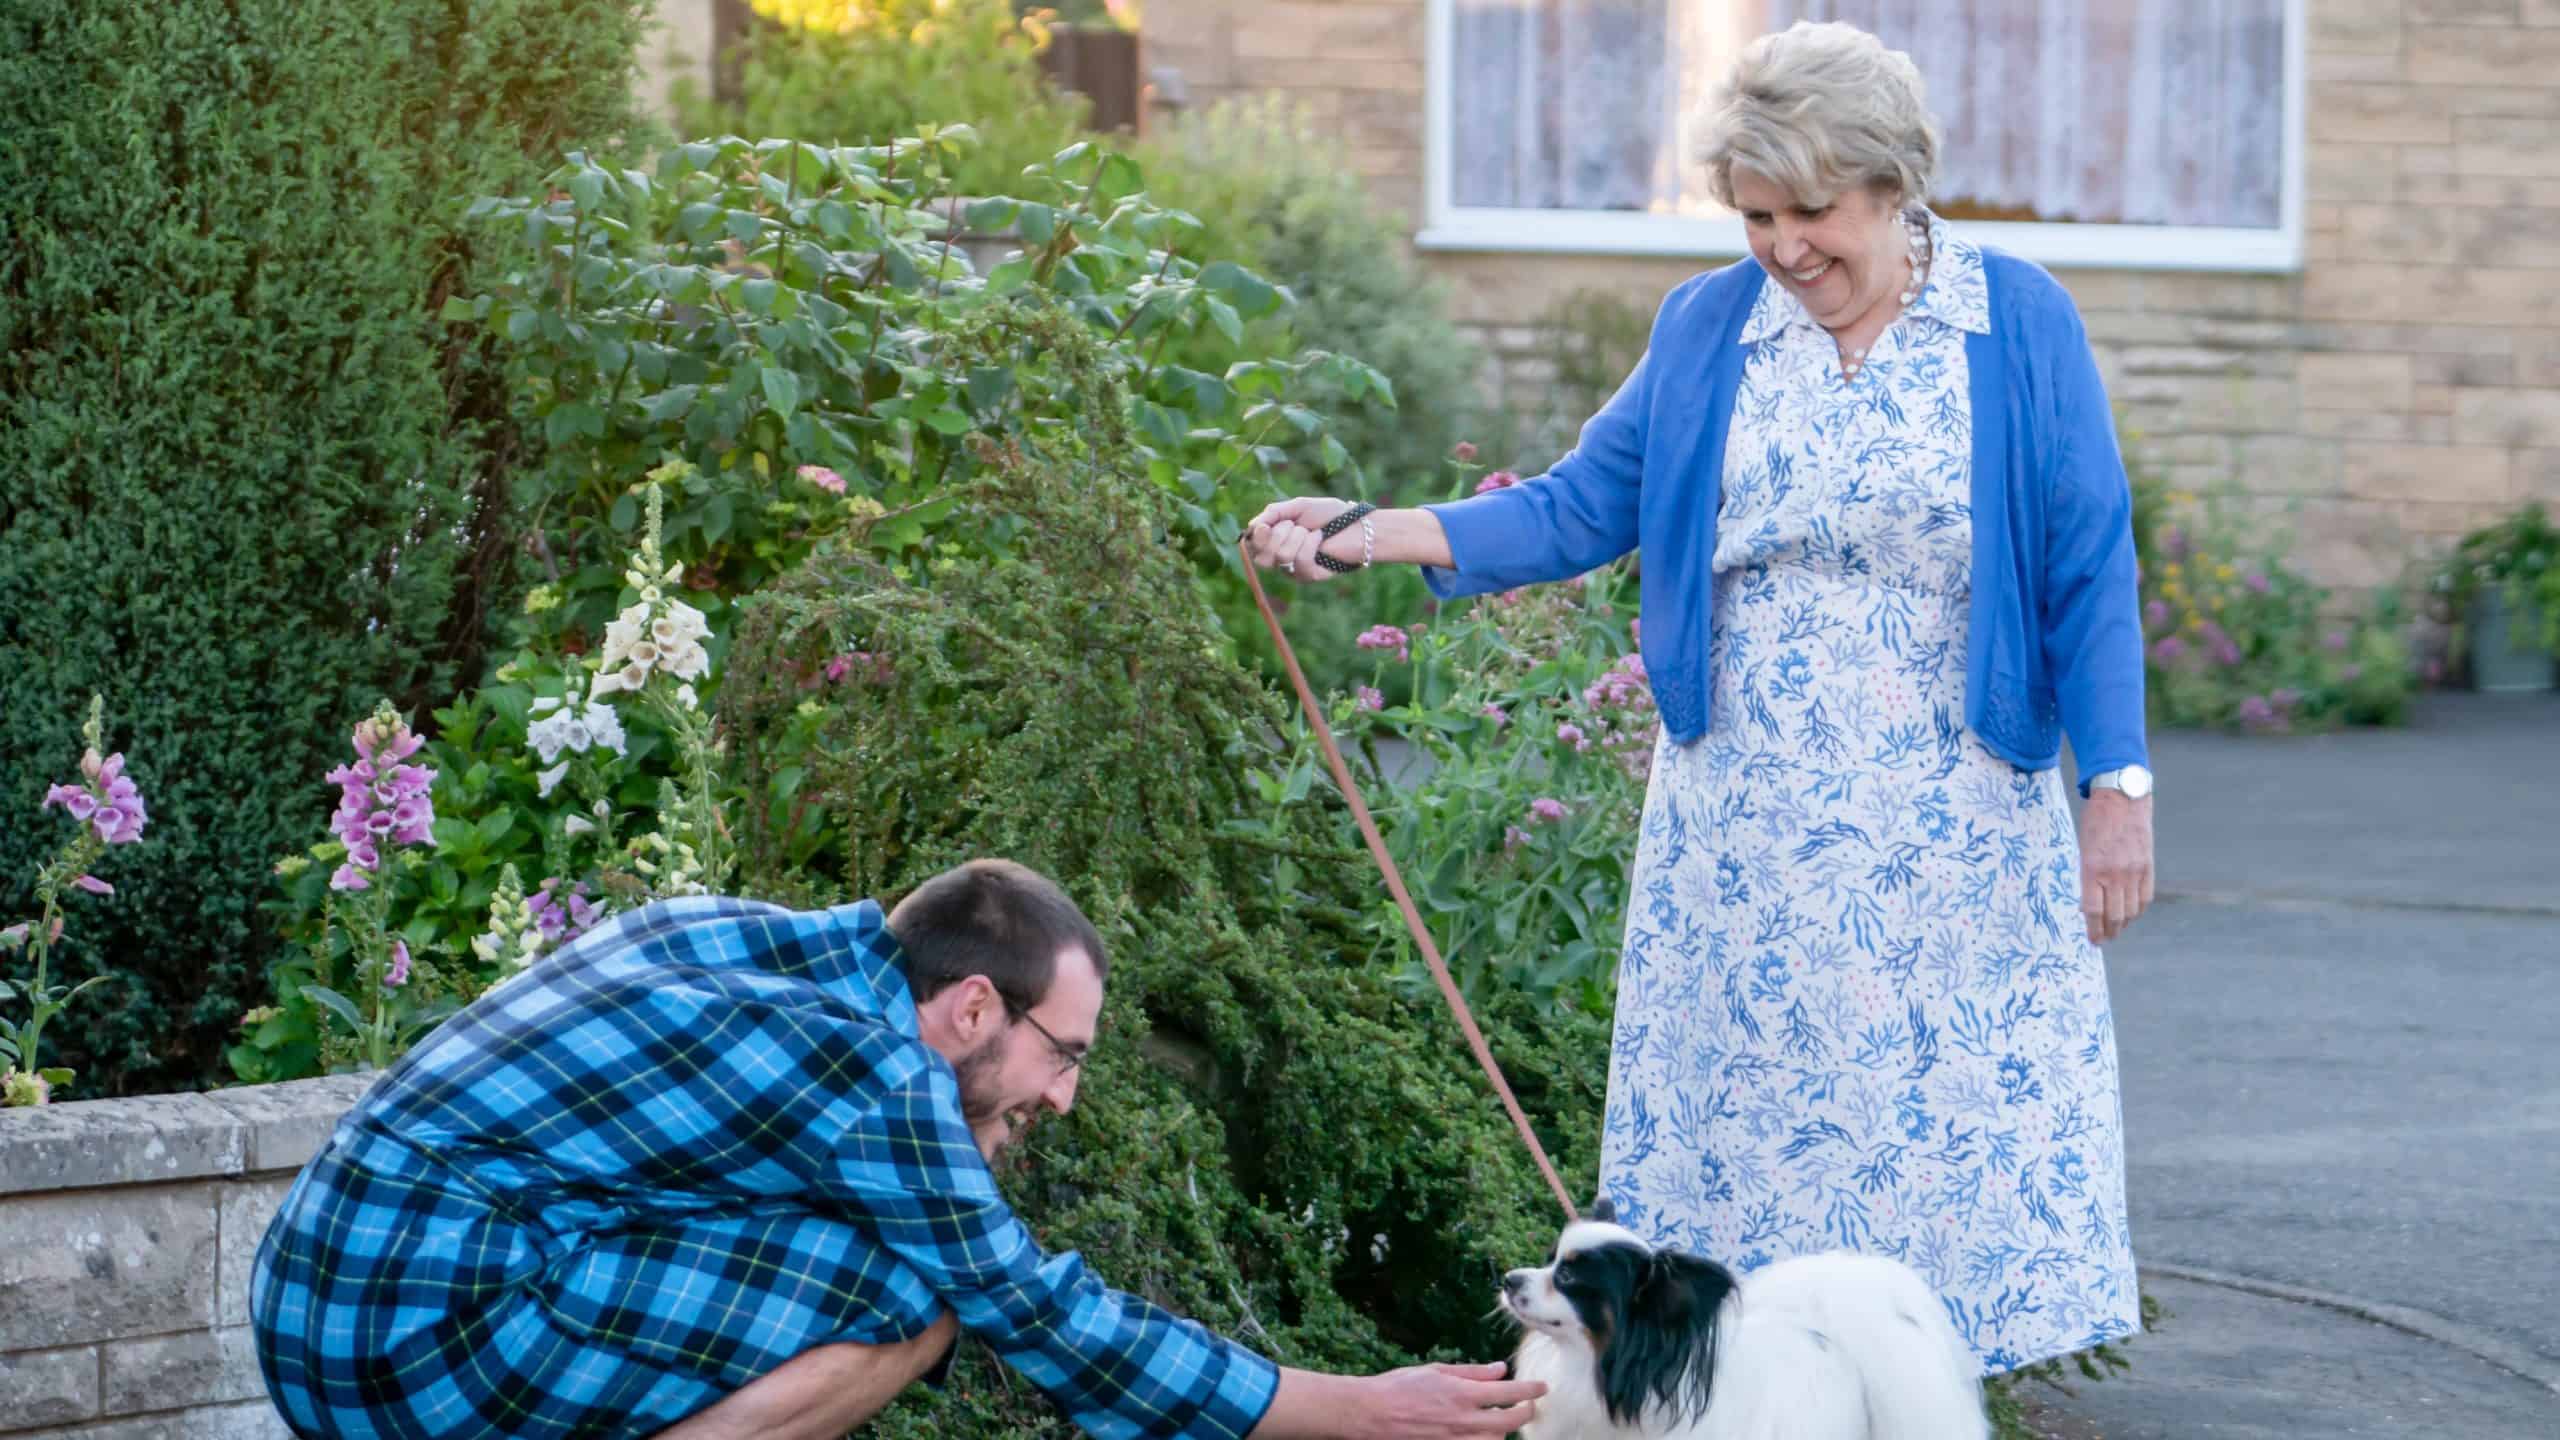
(2341, 1087)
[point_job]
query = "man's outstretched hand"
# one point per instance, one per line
(1419, 1402)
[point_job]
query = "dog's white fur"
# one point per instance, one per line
(1822, 1347)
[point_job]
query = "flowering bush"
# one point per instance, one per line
(2516, 557)
(1509, 786)
(106, 808)
(2236, 637)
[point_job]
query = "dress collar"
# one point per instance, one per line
(1954, 296)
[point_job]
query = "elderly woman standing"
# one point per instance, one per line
(1887, 564)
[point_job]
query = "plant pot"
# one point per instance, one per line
(2506, 645)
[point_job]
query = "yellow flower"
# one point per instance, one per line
(2172, 570)
(541, 598)
(2223, 572)
(2217, 604)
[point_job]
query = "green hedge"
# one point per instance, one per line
(250, 480)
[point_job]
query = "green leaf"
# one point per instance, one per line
(493, 827)
(336, 1004)
(716, 517)
(1224, 316)
(988, 387)
(696, 218)
(668, 404)
(587, 188)
(987, 217)
(744, 227)
(624, 518)
(781, 390)
(1039, 224)
(758, 295)
(1331, 455)
(521, 325)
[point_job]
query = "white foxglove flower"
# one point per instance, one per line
(685, 696)
(578, 825)
(551, 777)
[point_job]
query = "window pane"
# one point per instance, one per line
(2146, 112)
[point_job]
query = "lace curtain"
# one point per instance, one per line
(2157, 112)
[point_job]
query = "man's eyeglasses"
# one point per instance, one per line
(1069, 1056)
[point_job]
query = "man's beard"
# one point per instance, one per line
(981, 1106)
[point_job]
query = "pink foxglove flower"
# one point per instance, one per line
(93, 885)
(398, 975)
(380, 800)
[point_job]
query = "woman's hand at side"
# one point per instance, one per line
(2115, 862)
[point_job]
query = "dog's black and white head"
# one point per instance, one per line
(1642, 1320)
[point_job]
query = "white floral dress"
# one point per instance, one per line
(1857, 1007)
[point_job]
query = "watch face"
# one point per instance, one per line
(2135, 781)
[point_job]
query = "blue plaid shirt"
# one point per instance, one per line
(642, 1128)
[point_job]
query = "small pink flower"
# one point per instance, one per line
(2168, 650)
(1385, 637)
(2259, 582)
(2257, 712)
(2336, 640)
(1368, 698)
(1544, 808)
(93, 885)
(1513, 837)
(1497, 480)
(1464, 451)
(838, 668)
(1571, 734)
(824, 478)
(2157, 612)
(1496, 714)
(399, 972)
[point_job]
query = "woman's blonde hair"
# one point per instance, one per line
(1820, 108)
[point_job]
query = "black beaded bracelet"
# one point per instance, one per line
(1336, 526)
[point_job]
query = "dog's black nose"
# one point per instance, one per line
(1514, 1282)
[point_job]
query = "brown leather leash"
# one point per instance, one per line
(1395, 884)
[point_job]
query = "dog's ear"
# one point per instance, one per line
(1601, 1209)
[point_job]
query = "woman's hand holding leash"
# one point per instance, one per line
(1316, 537)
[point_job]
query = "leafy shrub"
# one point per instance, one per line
(2237, 638)
(1319, 1151)
(2516, 557)
(1269, 192)
(863, 74)
(250, 480)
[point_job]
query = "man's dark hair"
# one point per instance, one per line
(995, 918)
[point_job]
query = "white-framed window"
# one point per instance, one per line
(2148, 134)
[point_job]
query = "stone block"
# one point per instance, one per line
(136, 1141)
(2540, 12)
(2288, 464)
(2427, 472)
(168, 1372)
(2379, 114)
(2456, 55)
(2514, 418)
(103, 1265)
(2265, 297)
(2212, 403)
(2459, 12)
(2348, 380)
(2482, 295)
(286, 1124)
(2538, 476)
(2360, 27)
(250, 1420)
(48, 1387)
(2383, 425)
(2348, 67)
(2431, 400)
(2403, 234)
(2478, 191)
(2537, 357)
(2188, 360)
(2354, 291)
(244, 1209)
(1298, 30)
(2462, 370)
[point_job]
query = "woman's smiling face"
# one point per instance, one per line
(1841, 259)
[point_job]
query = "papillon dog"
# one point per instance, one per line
(1637, 1342)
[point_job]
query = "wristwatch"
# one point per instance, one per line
(2133, 780)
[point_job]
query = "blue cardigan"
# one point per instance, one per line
(2056, 635)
